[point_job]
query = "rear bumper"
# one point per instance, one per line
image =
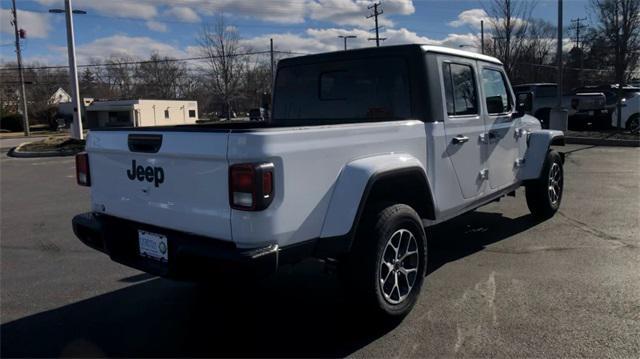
(190, 256)
(590, 114)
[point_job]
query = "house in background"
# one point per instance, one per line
(139, 113)
(58, 97)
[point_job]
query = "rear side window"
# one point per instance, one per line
(460, 90)
(497, 97)
(348, 90)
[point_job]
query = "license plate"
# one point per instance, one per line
(153, 245)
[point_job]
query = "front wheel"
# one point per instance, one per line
(387, 265)
(544, 194)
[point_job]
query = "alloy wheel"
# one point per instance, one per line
(555, 184)
(399, 266)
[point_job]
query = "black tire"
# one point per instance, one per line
(363, 268)
(633, 123)
(544, 194)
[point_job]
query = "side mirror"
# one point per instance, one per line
(524, 103)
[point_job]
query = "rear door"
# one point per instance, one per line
(463, 124)
(502, 145)
(175, 180)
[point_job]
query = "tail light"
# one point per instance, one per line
(82, 169)
(251, 186)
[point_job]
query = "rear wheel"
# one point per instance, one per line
(544, 194)
(387, 265)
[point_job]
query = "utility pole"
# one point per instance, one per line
(272, 63)
(25, 112)
(345, 37)
(482, 36)
(375, 16)
(577, 26)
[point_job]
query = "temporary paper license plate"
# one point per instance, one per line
(153, 245)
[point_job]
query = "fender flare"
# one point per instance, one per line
(538, 144)
(350, 195)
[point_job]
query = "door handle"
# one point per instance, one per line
(459, 139)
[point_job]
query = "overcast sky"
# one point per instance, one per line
(171, 27)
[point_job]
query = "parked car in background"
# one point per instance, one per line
(630, 112)
(258, 114)
(611, 94)
(583, 108)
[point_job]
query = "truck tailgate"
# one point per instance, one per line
(181, 186)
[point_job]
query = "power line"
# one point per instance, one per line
(115, 64)
(375, 15)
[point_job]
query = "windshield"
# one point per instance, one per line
(354, 90)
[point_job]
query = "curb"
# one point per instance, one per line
(15, 152)
(32, 137)
(601, 142)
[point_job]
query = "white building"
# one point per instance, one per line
(138, 113)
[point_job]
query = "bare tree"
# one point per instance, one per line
(508, 23)
(540, 44)
(159, 77)
(618, 24)
(220, 43)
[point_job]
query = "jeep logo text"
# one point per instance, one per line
(151, 174)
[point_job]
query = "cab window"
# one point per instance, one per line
(497, 97)
(460, 89)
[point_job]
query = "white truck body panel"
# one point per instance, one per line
(350, 186)
(308, 162)
(193, 196)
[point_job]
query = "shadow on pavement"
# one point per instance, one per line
(471, 233)
(299, 313)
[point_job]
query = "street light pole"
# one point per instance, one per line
(482, 36)
(559, 55)
(73, 71)
(345, 37)
(558, 117)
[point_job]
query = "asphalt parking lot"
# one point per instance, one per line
(499, 285)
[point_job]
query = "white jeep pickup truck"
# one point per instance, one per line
(365, 148)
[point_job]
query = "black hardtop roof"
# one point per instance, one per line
(383, 51)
